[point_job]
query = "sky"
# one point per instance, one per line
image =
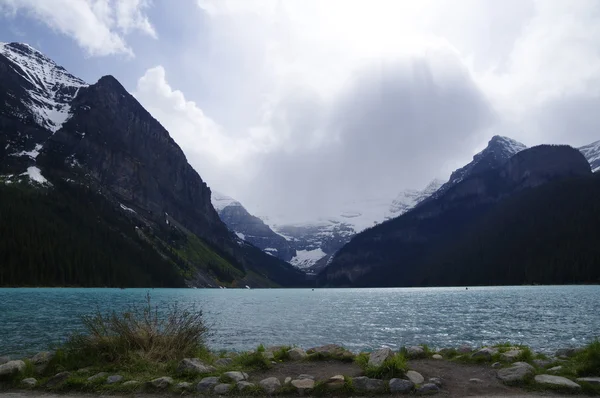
(295, 107)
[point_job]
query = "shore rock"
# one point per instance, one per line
(11, 368)
(465, 349)
(415, 351)
(236, 376)
(591, 380)
(437, 356)
(485, 353)
(297, 354)
(335, 383)
(363, 383)
(244, 385)
(542, 363)
(193, 366)
(57, 379)
(131, 383)
(401, 386)
(222, 389)
(555, 369)
(556, 381)
(4, 360)
(415, 377)
(303, 385)
(183, 386)
(519, 371)
(207, 384)
(378, 357)
(114, 379)
(428, 389)
(162, 382)
(331, 350)
(287, 380)
(98, 376)
(566, 352)
(29, 382)
(270, 384)
(41, 360)
(223, 362)
(511, 355)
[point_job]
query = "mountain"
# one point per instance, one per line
(592, 154)
(410, 198)
(73, 141)
(250, 228)
(506, 209)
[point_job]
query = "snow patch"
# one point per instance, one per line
(241, 235)
(130, 209)
(307, 258)
(32, 154)
(221, 201)
(35, 174)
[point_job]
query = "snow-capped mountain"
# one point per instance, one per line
(409, 198)
(592, 154)
(250, 228)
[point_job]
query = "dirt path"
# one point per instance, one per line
(321, 370)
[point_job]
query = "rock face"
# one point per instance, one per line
(401, 386)
(378, 357)
(556, 381)
(11, 369)
(592, 154)
(518, 372)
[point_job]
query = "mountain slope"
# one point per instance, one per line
(250, 228)
(592, 154)
(399, 252)
(105, 141)
(410, 198)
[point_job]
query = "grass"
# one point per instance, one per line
(252, 361)
(588, 360)
(282, 355)
(394, 366)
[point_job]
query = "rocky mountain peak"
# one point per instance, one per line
(592, 154)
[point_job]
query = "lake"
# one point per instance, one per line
(543, 317)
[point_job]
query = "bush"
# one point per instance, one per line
(141, 333)
(589, 360)
(394, 366)
(252, 361)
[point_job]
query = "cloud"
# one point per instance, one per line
(98, 26)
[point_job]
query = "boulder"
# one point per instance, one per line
(222, 389)
(4, 359)
(305, 376)
(161, 382)
(193, 366)
(511, 355)
(222, 362)
(555, 369)
(556, 381)
(303, 385)
(296, 354)
(236, 376)
(435, 380)
(401, 386)
(41, 360)
(465, 349)
(331, 350)
(335, 383)
(114, 379)
(363, 383)
(57, 379)
(183, 386)
(11, 369)
(207, 384)
(378, 357)
(270, 385)
(415, 351)
(591, 380)
(131, 383)
(244, 385)
(415, 377)
(437, 356)
(518, 372)
(29, 382)
(485, 353)
(98, 376)
(428, 389)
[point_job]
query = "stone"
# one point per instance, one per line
(161, 382)
(519, 371)
(222, 389)
(435, 380)
(194, 366)
(566, 352)
(485, 353)
(511, 355)
(97, 376)
(303, 385)
(542, 363)
(11, 369)
(221, 362)
(29, 382)
(114, 379)
(287, 380)
(244, 385)
(415, 377)
(57, 379)
(415, 351)
(378, 357)
(183, 386)
(591, 380)
(475, 380)
(84, 370)
(331, 350)
(401, 386)
(42, 357)
(305, 376)
(363, 383)
(555, 369)
(496, 365)
(335, 383)
(428, 389)
(4, 359)
(236, 376)
(207, 384)
(297, 354)
(270, 385)
(465, 349)
(557, 381)
(131, 383)
(437, 356)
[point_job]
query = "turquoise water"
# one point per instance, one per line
(544, 317)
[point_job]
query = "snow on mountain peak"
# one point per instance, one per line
(508, 144)
(409, 198)
(592, 154)
(51, 87)
(221, 201)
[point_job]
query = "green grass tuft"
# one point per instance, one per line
(252, 361)
(281, 354)
(588, 360)
(395, 366)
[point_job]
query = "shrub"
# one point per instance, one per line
(394, 366)
(141, 333)
(282, 354)
(589, 359)
(252, 361)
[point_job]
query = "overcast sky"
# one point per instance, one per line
(294, 106)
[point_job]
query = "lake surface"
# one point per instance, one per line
(543, 317)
